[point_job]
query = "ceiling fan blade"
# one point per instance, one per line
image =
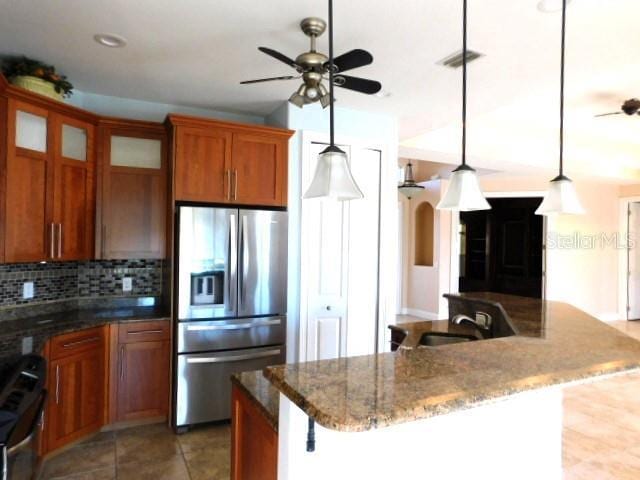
(361, 85)
(608, 114)
(260, 80)
(279, 56)
(350, 60)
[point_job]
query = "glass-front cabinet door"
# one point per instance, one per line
(28, 230)
(134, 192)
(74, 189)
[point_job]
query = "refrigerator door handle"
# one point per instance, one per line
(234, 326)
(232, 262)
(244, 241)
(234, 358)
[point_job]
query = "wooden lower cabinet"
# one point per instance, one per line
(77, 387)
(142, 371)
(104, 375)
(254, 442)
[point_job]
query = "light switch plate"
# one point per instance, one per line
(27, 290)
(127, 284)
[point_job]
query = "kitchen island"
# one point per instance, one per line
(482, 409)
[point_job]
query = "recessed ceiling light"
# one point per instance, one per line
(110, 40)
(550, 6)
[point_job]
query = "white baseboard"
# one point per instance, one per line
(422, 314)
(610, 317)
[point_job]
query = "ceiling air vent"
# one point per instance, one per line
(455, 59)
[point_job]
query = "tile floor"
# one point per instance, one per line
(601, 441)
(151, 452)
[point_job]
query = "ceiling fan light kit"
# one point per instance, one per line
(313, 68)
(332, 178)
(463, 192)
(561, 198)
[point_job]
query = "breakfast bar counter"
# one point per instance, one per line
(555, 344)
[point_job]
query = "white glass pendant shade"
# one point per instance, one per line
(333, 177)
(561, 198)
(463, 193)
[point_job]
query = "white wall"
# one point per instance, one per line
(583, 275)
(370, 128)
(149, 111)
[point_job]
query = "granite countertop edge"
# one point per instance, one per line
(253, 397)
(464, 402)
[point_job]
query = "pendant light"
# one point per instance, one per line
(409, 187)
(561, 196)
(333, 178)
(463, 193)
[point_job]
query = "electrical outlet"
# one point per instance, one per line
(27, 345)
(27, 290)
(127, 284)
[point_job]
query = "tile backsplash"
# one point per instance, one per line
(70, 280)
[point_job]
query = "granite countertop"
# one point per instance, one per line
(556, 344)
(259, 390)
(44, 326)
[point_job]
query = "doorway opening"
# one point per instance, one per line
(501, 250)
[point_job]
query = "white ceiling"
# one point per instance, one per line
(194, 52)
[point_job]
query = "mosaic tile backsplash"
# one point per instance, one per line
(69, 280)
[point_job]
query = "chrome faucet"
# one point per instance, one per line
(461, 319)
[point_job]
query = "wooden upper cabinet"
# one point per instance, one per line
(229, 163)
(74, 188)
(50, 185)
(134, 190)
(28, 232)
(202, 168)
(259, 169)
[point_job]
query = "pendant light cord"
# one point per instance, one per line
(464, 83)
(331, 68)
(562, 48)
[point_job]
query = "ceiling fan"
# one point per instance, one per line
(630, 107)
(313, 68)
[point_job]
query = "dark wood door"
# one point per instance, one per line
(76, 401)
(143, 385)
(74, 189)
(259, 170)
(254, 443)
(502, 248)
(28, 232)
(202, 165)
(134, 198)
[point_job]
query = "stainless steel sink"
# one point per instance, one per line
(436, 339)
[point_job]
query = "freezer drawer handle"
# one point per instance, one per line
(235, 358)
(237, 326)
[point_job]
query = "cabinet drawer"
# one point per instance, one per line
(77, 342)
(144, 331)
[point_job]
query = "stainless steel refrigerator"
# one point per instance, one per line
(232, 299)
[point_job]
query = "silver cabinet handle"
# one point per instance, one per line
(142, 332)
(103, 241)
(57, 384)
(227, 173)
(236, 326)
(52, 241)
(122, 362)
(235, 184)
(80, 342)
(59, 240)
(233, 358)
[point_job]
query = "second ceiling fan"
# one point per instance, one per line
(313, 68)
